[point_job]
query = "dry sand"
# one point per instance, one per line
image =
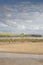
(26, 47)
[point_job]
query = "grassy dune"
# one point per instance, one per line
(5, 34)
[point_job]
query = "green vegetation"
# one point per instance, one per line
(6, 34)
(21, 39)
(3, 34)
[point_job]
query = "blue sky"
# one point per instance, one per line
(18, 1)
(21, 16)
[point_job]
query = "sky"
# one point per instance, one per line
(21, 16)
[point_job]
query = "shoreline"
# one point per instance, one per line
(17, 55)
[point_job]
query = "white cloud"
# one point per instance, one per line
(35, 28)
(28, 21)
(21, 27)
(8, 15)
(10, 22)
(24, 16)
(32, 27)
(2, 25)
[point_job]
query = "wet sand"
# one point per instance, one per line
(20, 59)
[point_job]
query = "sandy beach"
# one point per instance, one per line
(20, 47)
(21, 53)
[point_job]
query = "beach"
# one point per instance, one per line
(20, 59)
(22, 47)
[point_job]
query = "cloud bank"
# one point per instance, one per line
(22, 18)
